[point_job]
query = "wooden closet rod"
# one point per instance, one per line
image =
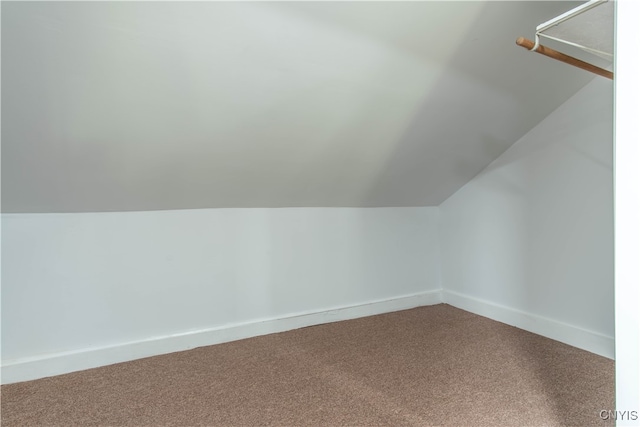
(528, 44)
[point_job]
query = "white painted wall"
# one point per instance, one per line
(136, 106)
(76, 282)
(627, 212)
(531, 237)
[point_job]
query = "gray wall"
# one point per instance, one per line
(534, 231)
(132, 106)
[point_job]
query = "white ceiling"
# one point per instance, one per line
(168, 105)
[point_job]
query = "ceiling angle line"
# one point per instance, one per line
(551, 53)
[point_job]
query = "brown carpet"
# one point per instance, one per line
(433, 365)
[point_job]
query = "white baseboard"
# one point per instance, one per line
(593, 342)
(26, 369)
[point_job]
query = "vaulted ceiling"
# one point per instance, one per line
(119, 106)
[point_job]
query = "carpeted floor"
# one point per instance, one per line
(433, 365)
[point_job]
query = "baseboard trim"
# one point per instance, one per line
(26, 369)
(593, 342)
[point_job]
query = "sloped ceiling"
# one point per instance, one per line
(169, 105)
